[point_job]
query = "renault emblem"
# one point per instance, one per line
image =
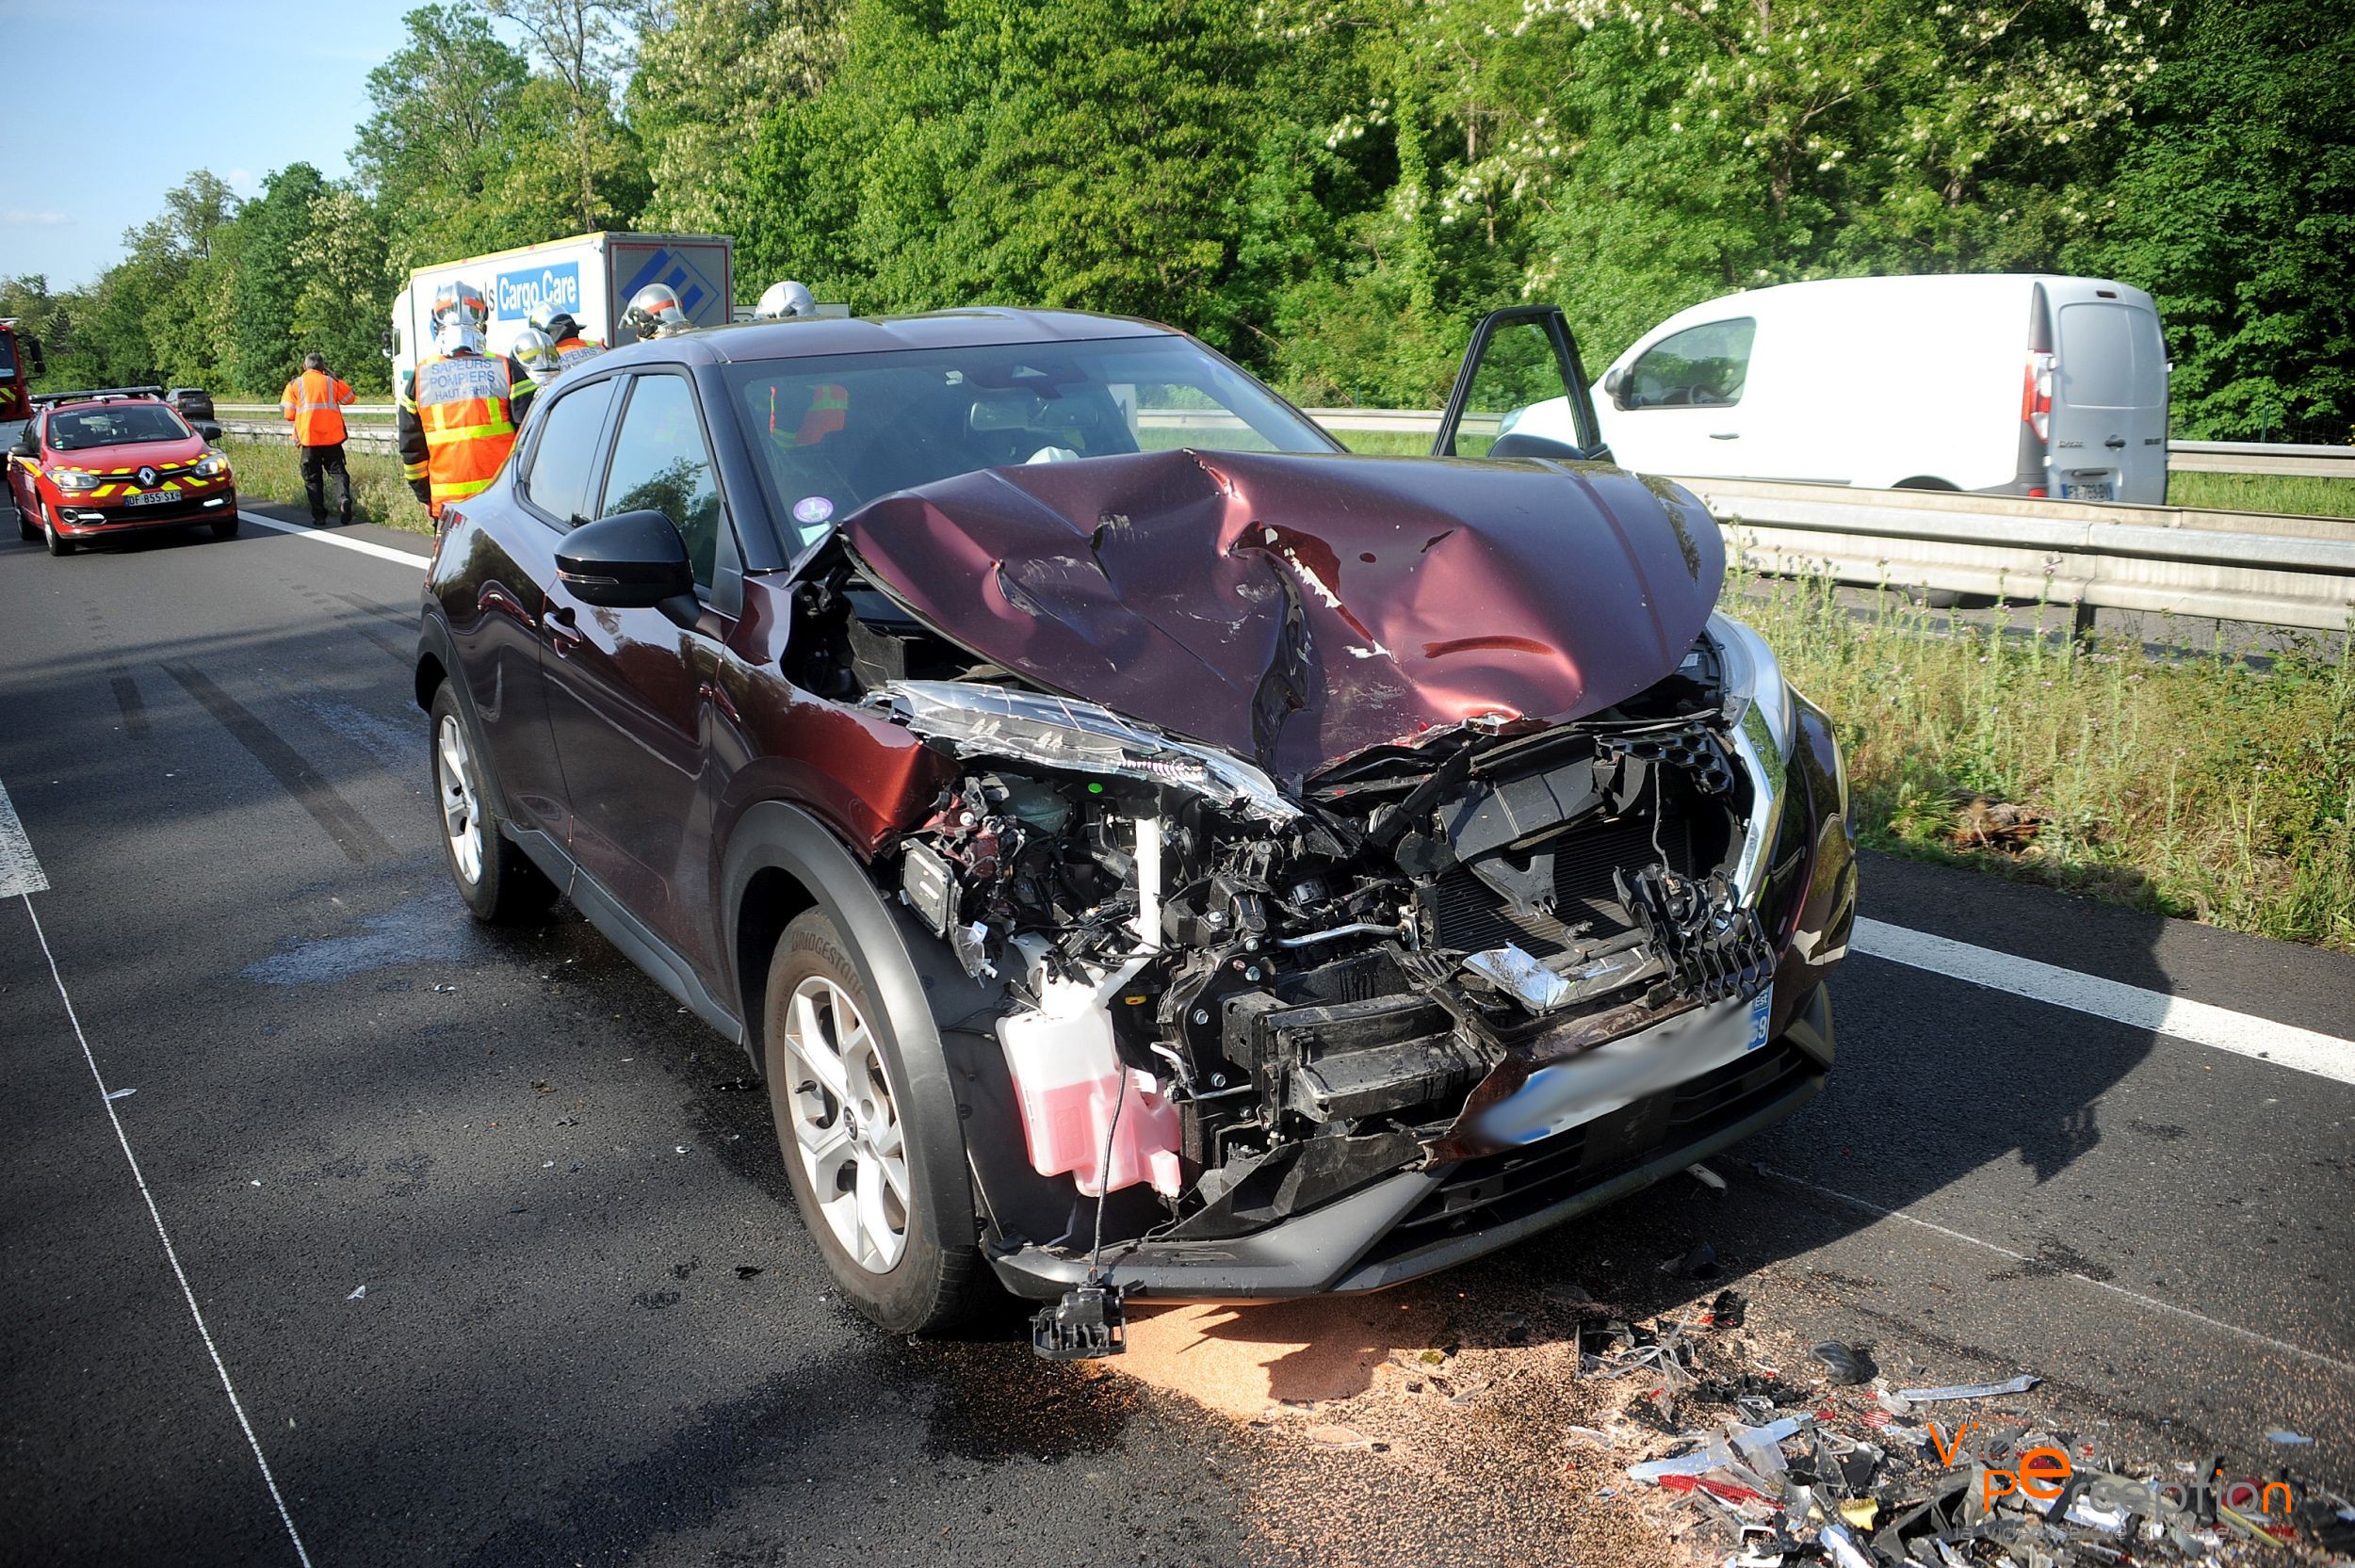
(146, 477)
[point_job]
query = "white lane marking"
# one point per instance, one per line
(327, 536)
(2178, 1017)
(171, 1253)
(20, 868)
(2284, 1346)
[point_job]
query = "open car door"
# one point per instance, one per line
(1520, 393)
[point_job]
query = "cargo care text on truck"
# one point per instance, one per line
(1085, 791)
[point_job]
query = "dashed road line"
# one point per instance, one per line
(2177, 1017)
(2285, 1347)
(20, 868)
(171, 1254)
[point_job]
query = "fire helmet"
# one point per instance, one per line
(655, 312)
(537, 352)
(783, 300)
(558, 323)
(460, 315)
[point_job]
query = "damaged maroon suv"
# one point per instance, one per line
(1146, 850)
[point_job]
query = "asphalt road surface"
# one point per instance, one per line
(461, 1224)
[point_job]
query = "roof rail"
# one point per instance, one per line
(98, 395)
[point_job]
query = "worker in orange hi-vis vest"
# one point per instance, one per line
(314, 404)
(458, 411)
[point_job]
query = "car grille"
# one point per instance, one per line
(1496, 1189)
(1469, 916)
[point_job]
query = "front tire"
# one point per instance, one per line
(225, 527)
(59, 543)
(497, 880)
(878, 1172)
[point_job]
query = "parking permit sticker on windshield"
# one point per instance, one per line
(1762, 1011)
(812, 509)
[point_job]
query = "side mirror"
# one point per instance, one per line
(1614, 382)
(209, 431)
(631, 561)
(25, 446)
(33, 360)
(392, 351)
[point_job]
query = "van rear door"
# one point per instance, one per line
(2109, 395)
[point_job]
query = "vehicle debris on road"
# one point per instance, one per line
(1839, 1474)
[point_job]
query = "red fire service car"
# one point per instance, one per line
(93, 464)
(20, 361)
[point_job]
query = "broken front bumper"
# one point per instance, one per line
(1630, 1112)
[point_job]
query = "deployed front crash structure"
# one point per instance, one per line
(1355, 864)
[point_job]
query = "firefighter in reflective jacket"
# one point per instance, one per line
(460, 407)
(564, 333)
(313, 403)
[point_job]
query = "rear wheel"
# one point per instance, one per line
(25, 528)
(878, 1172)
(497, 880)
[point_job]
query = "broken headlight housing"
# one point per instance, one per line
(1765, 731)
(1080, 737)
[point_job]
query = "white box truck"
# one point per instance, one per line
(593, 276)
(2028, 385)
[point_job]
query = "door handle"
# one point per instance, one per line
(563, 633)
(1725, 435)
(2116, 444)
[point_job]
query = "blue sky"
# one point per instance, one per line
(110, 102)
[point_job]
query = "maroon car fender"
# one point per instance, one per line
(940, 1018)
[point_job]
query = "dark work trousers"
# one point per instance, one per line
(319, 462)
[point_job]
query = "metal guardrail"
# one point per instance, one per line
(2253, 457)
(2234, 566)
(361, 438)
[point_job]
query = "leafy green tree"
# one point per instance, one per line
(2234, 204)
(264, 347)
(710, 73)
(580, 44)
(435, 155)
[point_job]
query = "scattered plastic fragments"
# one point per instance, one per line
(1969, 1390)
(1707, 1178)
(1837, 1477)
(746, 1270)
(360, 1294)
(2280, 1436)
(1843, 1363)
(1728, 1309)
(120, 1093)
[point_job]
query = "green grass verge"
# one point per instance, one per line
(1386, 443)
(269, 471)
(2181, 780)
(2288, 493)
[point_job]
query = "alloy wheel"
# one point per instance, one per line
(461, 810)
(846, 1124)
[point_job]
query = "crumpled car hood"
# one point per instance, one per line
(1295, 609)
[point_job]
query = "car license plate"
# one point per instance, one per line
(1761, 1018)
(2097, 490)
(150, 497)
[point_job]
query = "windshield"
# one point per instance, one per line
(836, 432)
(116, 425)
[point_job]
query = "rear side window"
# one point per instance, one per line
(660, 463)
(2097, 356)
(559, 480)
(1702, 366)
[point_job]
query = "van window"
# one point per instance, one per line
(2097, 356)
(1702, 366)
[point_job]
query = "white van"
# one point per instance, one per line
(2020, 384)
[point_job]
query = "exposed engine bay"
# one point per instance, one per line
(1232, 991)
